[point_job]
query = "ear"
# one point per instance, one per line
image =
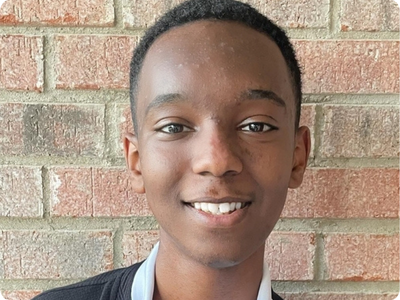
(132, 159)
(300, 156)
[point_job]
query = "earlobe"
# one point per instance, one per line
(131, 152)
(300, 156)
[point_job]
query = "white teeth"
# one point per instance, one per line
(204, 207)
(218, 209)
(224, 208)
(213, 208)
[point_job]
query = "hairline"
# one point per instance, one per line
(136, 69)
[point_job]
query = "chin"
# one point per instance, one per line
(222, 258)
(216, 252)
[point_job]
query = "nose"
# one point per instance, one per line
(215, 154)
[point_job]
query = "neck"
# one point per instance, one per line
(181, 277)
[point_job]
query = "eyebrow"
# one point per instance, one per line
(251, 94)
(263, 94)
(163, 99)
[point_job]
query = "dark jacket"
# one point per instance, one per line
(113, 285)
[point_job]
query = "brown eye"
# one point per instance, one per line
(256, 127)
(173, 128)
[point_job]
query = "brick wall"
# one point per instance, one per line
(67, 210)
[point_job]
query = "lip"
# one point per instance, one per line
(218, 221)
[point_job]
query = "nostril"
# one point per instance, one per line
(231, 173)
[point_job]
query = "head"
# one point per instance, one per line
(216, 93)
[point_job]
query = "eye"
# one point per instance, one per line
(173, 128)
(257, 127)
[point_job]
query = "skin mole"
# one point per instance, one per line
(212, 191)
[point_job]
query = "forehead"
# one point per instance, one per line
(210, 56)
(199, 40)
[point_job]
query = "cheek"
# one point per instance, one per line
(271, 168)
(161, 172)
(270, 160)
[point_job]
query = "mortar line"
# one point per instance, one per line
(110, 133)
(336, 225)
(48, 61)
(337, 287)
(386, 20)
(335, 11)
(318, 132)
(46, 193)
(319, 260)
(118, 162)
(373, 288)
(36, 161)
(106, 135)
(352, 99)
(357, 162)
(119, 14)
(382, 226)
(89, 97)
(35, 30)
(302, 34)
(121, 96)
(45, 66)
(118, 248)
(77, 224)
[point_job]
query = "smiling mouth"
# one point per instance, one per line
(219, 208)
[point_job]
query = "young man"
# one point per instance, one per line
(215, 97)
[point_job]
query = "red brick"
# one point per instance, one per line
(44, 129)
(71, 192)
(393, 13)
(96, 192)
(362, 257)
(21, 65)
(337, 296)
(295, 14)
(345, 193)
(20, 192)
(102, 61)
(56, 254)
(49, 12)
(373, 15)
(308, 115)
(137, 245)
(349, 66)
(65, 130)
(286, 264)
(20, 295)
(138, 13)
(360, 131)
(11, 128)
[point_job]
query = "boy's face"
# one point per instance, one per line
(216, 115)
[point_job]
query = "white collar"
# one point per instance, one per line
(143, 283)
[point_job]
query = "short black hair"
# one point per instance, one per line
(224, 10)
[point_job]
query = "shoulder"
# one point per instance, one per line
(110, 285)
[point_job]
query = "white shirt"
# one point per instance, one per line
(143, 283)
